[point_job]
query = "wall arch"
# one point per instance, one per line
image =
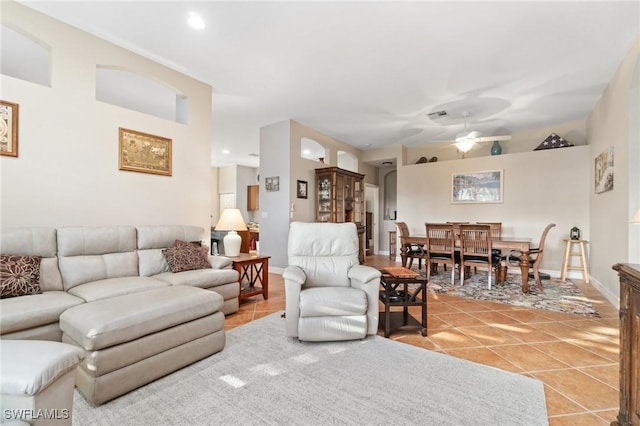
(127, 89)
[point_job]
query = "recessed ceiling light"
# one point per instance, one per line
(195, 21)
(225, 151)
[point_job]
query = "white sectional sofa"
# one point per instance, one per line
(84, 264)
(110, 291)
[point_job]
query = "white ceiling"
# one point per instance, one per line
(368, 73)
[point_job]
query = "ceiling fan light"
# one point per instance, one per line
(464, 145)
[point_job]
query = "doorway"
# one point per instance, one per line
(372, 213)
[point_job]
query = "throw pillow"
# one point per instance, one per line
(19, 275)
(186, 257)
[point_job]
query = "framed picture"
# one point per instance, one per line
(272, 183)
(477, 187)
(8, 129)
(144, 153)
(604, 171)
(301, 189)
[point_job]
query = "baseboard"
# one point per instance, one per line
(612, 298)
(276, 270)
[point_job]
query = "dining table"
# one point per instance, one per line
(523, 245)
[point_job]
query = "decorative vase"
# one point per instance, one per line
(496, 149)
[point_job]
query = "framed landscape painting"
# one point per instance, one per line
(144, 153)
(8, 129)
(477, 187)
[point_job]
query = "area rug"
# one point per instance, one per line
(556, 295)
(264, 378)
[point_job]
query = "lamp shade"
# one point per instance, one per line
(232, 221)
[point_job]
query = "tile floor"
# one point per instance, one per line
(575, 357)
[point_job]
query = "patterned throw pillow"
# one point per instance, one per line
(186, 256)
(19, 275)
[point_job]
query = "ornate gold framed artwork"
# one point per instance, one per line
(144, 153)
(8, 129)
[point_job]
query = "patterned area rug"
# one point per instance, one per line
(557, 296)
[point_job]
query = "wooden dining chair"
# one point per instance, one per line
(413, 251)
(441, 247)
(535, 256)
(476, 249)
(496, 234)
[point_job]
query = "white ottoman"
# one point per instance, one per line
(37, 379)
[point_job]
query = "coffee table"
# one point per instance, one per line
(402, 288)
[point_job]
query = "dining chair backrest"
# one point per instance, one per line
(440, 239)
(496, 229)
(475, 249)
(441, 246)
(543, 237)
(475, 242)
(403, 229)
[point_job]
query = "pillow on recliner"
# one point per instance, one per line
(187, 256)
(19, 275)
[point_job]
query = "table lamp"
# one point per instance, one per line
(231, 221)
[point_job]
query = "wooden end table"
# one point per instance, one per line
(253, 269)
(396, 292)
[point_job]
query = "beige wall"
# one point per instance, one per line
(67, 172)
(540, 187)
(608, 126)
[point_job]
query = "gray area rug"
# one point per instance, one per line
(264, 378)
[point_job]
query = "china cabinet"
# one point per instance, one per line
(340, 198)
(629, 414)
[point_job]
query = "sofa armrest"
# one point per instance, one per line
(294, 279)
(294, 274)
(363, 273)
(367, 279)
(220, 262)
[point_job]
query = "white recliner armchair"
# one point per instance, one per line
(329, 296)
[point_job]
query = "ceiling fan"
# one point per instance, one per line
(466, 139)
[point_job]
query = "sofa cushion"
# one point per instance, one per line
(19, 275)
(96, 253)
(186, 257)
(92, 240)
(332, 301)
(21, 313)
(203, 278)
(113, 287)
(162, 236)
(78, 270)
(120, 319)
(35, 241)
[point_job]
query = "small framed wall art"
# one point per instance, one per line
(144, 153)
(603, 172)
(301, 189)
(272, 183)
(8, 129)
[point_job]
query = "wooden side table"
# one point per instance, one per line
(253, 269)
(566, 262)
(396, 292)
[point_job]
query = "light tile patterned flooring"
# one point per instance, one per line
(576, 357)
